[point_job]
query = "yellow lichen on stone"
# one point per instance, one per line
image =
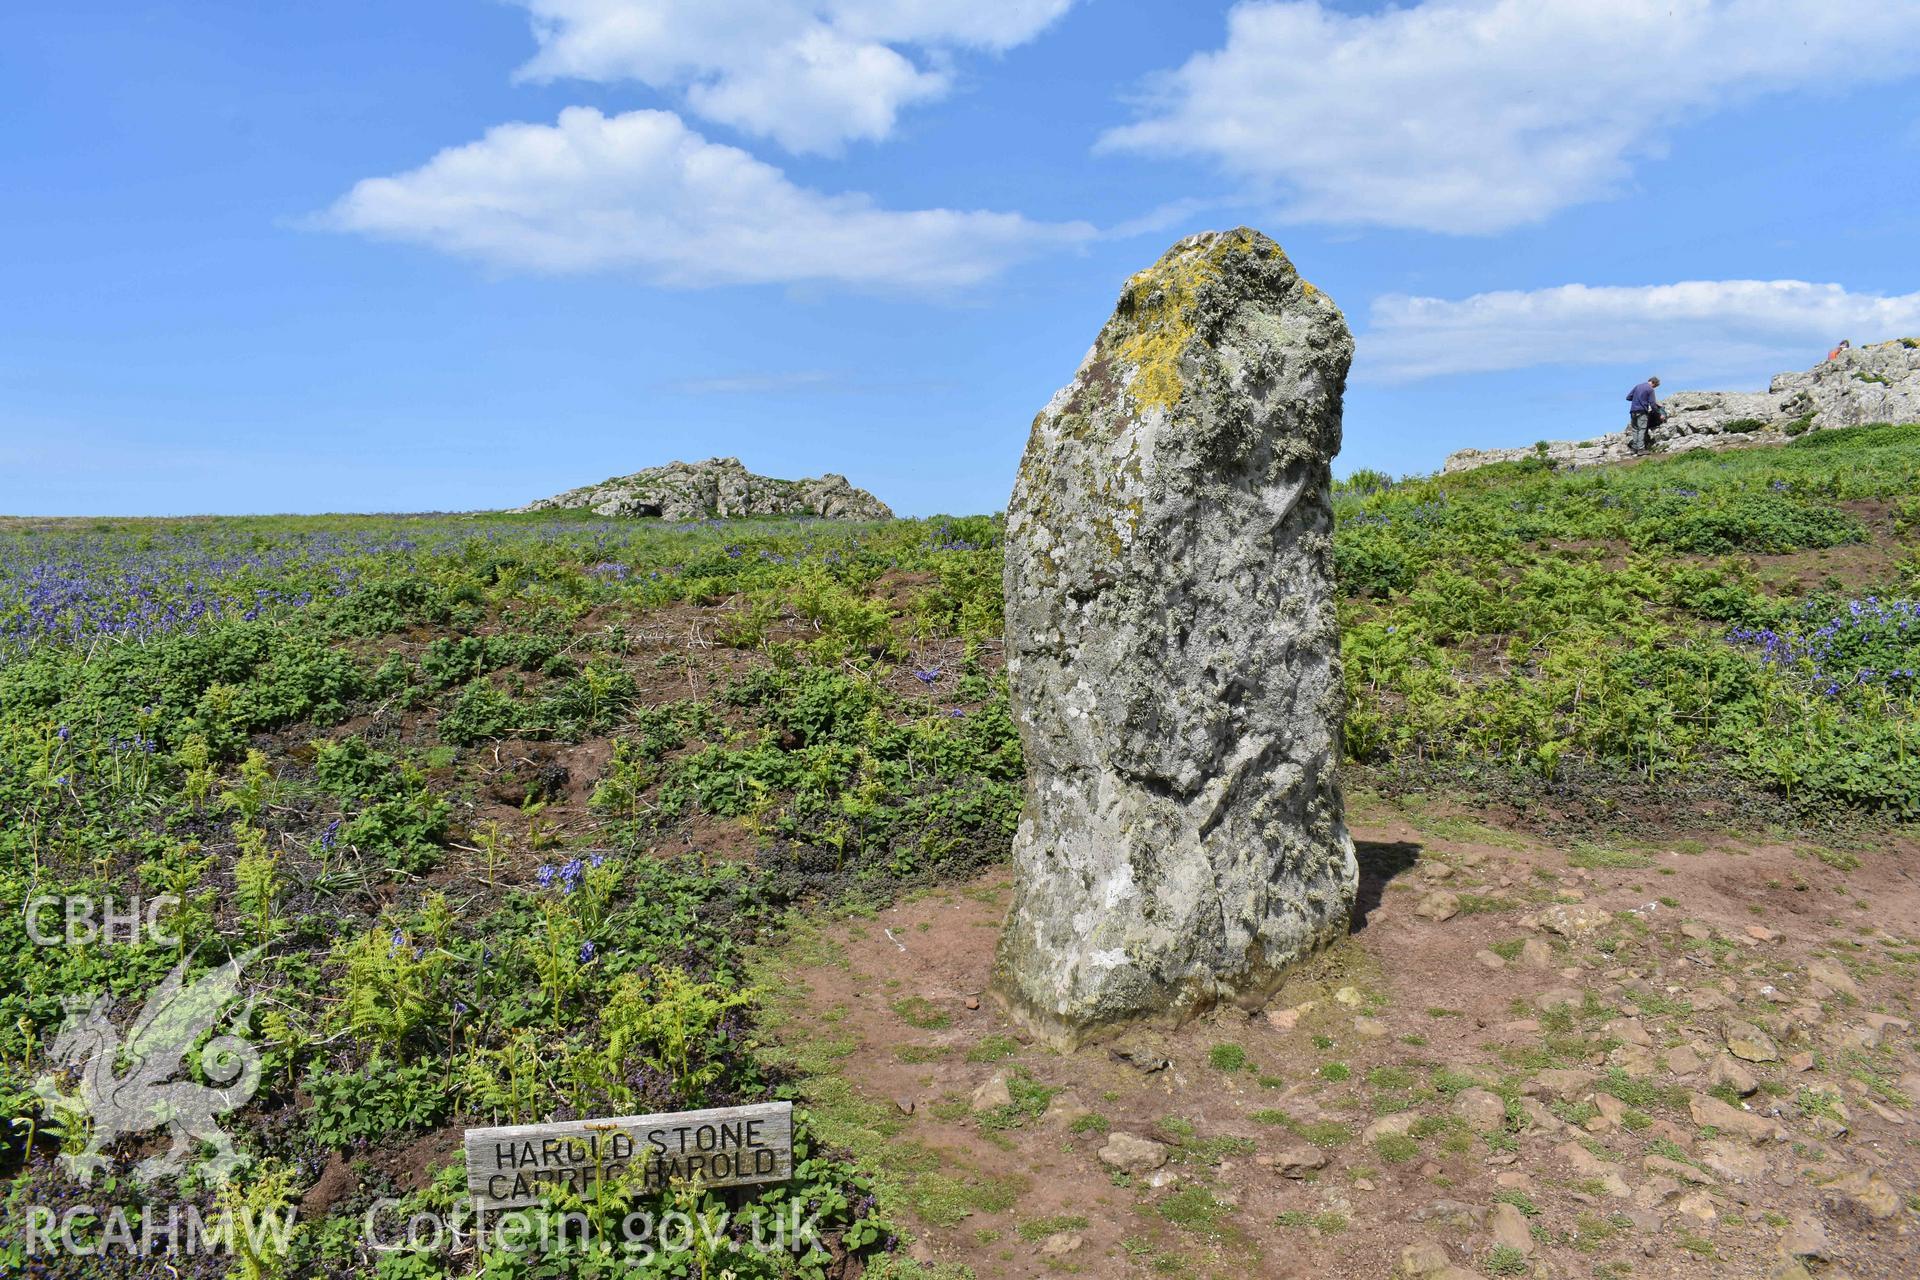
(1160, 301)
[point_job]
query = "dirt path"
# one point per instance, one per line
(1686, 1060)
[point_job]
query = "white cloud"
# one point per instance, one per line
(1473, 116)
(641, 192)
(809, 74)
(1696, 328)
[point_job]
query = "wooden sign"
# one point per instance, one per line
(517, 1166)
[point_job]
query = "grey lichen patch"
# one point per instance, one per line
(1173, 651)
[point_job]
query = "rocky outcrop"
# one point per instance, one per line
(1879, 383)
(1174, 654)
(720, 488)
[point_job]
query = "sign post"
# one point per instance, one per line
(517, 1166)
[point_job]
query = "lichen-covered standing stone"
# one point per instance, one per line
(1173, 651)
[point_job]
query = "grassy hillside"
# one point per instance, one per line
(1749, 613)
(507, 803)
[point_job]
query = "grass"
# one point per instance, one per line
(1838, 859)
(1195, 1209)
(1030, 1099)
(918, 1011)
(1817, 1102)
(1395, 1148)
(1601, 858)
(1390, 1077)
(1211, 1151)
(355, 695)
(1595, 634)
(1518, 1199)
(1329, 1134)
(1644, 1095)
(1040, 1228)
(993, 1048)
(1227, 1057)
(915, 1054)
(946, 1200)
(1505, 1260)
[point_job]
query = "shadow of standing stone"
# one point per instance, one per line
(1174, 654)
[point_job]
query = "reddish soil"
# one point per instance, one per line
(1695, 939)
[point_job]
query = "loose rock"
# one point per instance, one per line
(1131, 1153)
(1863, 1192)
(1683, 1061)
(1678, 1170)
(1482, 1109)
(1418, 1261)
(1562, 1083)
(1298, 1162)
(1727, 1071)
(1142, 1052)
(1830, 979)
(1065, 1108)
(1395, 1125)
(1575, 920)
(993, 1093)
(1509, 1227)
(1059, 1244)
(1749, 1043)
(1709, 1110)
(1735, 1163)
(1806, 1237)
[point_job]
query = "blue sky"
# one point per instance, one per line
(453, 254)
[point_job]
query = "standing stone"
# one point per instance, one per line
(1173, 651)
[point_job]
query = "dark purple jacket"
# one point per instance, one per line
(1641, 399)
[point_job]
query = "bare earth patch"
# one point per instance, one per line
(1696, 1059)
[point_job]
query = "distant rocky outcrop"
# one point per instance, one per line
(717, 488)
(1878, 383)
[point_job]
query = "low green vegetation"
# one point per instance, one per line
(432, 780)
(503, 812)
(1623, 619)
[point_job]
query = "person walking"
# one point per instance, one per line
(1643, 414)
